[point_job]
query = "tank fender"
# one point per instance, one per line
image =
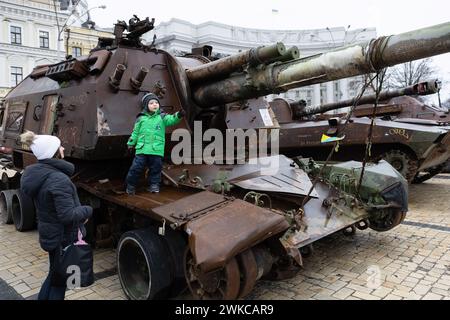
(221, 234)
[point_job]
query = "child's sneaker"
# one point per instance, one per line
(154, 188)
(130, 190)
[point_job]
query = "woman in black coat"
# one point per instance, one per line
(59, 212)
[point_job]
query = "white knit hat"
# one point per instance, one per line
(45, 146)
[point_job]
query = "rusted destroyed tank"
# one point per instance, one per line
(214, 227)
(417, 147)
(400, 105)
(408, 109)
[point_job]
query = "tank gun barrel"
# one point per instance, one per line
(223, 67)
(421, 88)
(337, 64)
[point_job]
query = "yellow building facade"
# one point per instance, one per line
(79, 41)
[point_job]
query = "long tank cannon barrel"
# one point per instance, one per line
(422, 89)
(337, 64)
(225, 66)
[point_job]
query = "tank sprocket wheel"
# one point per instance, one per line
(249, 272)
(393, 217)
(222, 284)
(402, 161)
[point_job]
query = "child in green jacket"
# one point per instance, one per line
(148, 139)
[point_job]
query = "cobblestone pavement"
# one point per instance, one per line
(411, 261)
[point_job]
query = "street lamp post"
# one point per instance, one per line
(65, 26)
(439, 98)
(332, 38)
(61, 30)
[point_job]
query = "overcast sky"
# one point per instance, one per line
(387, 16)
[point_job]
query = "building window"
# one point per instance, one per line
(16, 35)
(323, 94)
(76, 51)
(337, 91)
(43, 39)
(16, 75)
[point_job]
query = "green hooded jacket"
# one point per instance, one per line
(149, 132)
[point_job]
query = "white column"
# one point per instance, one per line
(3, 72)
(330, 92)
(316, 95)
(343, 87)
(60, 46)
(54, 43)
(30, 35)
(30, 66)
(4, 37)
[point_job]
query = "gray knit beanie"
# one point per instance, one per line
(146, 98)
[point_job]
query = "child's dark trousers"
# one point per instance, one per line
(140, 162)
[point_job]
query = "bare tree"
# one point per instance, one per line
(409, 73)
(446, 104)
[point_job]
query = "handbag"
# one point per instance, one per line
(74, 265)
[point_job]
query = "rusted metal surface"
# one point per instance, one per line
(249, 271)
(219, 285)
(192, 207)
(380, 111)
(282, 109)
(89, 119)
(100, 59)
(143, 202)
(251, 114)
(409, 110)
(67, 70)
(39, 71)
(426, 122)
(237, 226)
(223, 67)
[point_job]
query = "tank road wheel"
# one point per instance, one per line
(392, 217)
(176, 245)
(363, 224)
(23, 212)
(143, 265)
(403, 162)
(350, 231)
(249, 272)
(218, 285)
(6, 206)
